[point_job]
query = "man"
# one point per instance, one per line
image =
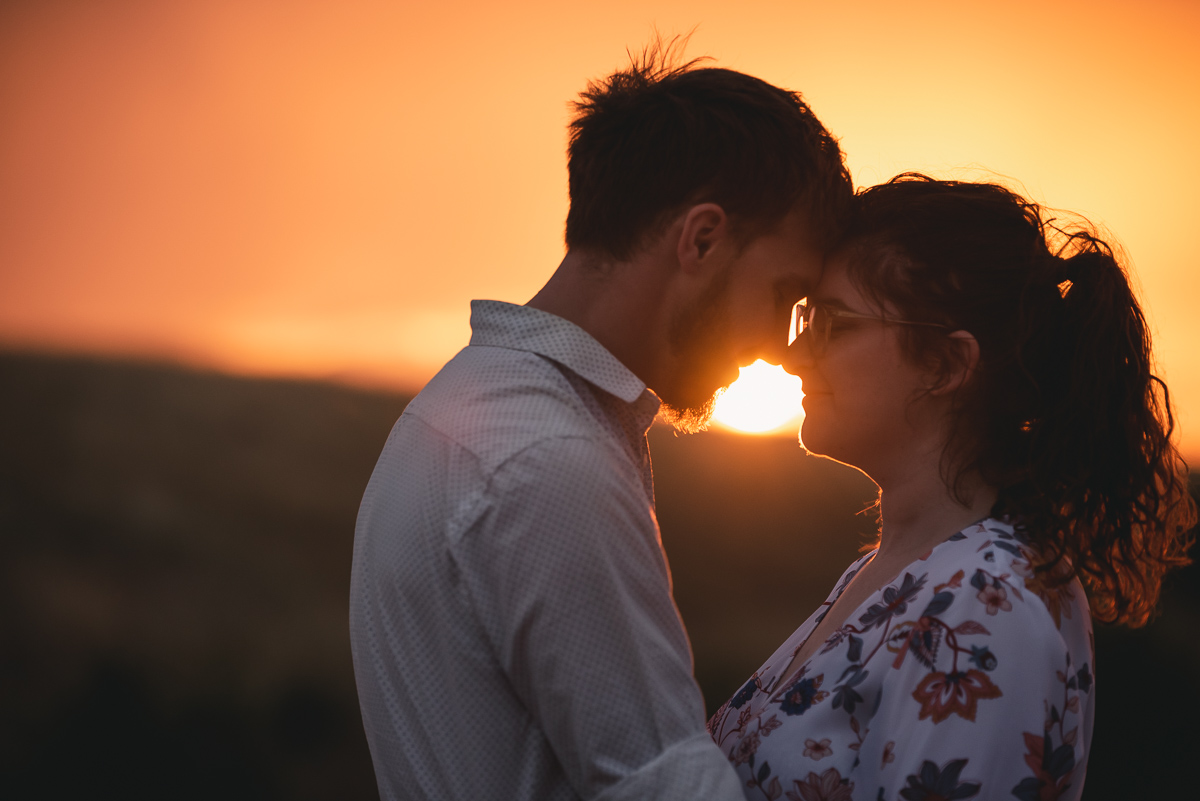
(512, 625)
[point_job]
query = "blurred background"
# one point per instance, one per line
(237, 236)
(174, 572)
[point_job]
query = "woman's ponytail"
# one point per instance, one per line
(1102, 470)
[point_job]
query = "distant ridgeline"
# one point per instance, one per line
(174, 571)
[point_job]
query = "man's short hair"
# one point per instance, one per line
(653, 139)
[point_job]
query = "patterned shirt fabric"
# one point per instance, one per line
(965, 677)
(512, 626)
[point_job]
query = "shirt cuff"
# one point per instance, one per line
(687, 770)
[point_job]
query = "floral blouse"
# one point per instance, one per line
(966, 677)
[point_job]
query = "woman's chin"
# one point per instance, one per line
(818, 439)
(810, 436)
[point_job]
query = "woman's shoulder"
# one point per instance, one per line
(995, 563)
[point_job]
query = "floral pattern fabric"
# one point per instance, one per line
(965, 677)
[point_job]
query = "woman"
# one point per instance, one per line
(990, 371)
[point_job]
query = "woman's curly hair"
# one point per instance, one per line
(1063, 414)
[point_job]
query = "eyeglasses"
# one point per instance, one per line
(817, 321)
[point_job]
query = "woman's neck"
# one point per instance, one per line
(918, 510)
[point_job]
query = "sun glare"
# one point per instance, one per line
(763, 400)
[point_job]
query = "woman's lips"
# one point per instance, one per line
(812, 398)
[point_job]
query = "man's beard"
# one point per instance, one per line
(689, 419)
(697, 336)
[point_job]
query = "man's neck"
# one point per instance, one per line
(621, 304)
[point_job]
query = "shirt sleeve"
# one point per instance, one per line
(981, 699)
(562, 564)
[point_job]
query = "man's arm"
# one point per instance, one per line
(563, 567)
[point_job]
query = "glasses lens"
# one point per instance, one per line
(817, 326)
(806, 318)
(797, 326)
(811, 320)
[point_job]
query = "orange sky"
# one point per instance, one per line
(318, 188)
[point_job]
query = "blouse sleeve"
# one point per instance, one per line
(980, 698)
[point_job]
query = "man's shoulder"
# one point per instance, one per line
(496, 402)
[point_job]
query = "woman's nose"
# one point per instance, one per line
(799, 357)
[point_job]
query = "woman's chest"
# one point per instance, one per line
(819, 721)
(815, 728)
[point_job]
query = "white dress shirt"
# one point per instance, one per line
(511, 619)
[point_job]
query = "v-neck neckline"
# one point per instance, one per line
(792, 646)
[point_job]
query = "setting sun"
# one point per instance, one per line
(764, 399)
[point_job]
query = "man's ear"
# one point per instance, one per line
(961, 362)
(705, 226)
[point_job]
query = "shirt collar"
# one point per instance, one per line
(505, 325)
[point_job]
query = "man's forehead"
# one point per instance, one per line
(805, 259)
(801, 225)
(797, 285)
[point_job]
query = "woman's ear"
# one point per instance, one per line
(962, 358)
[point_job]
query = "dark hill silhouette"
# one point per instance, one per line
(174, 566)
